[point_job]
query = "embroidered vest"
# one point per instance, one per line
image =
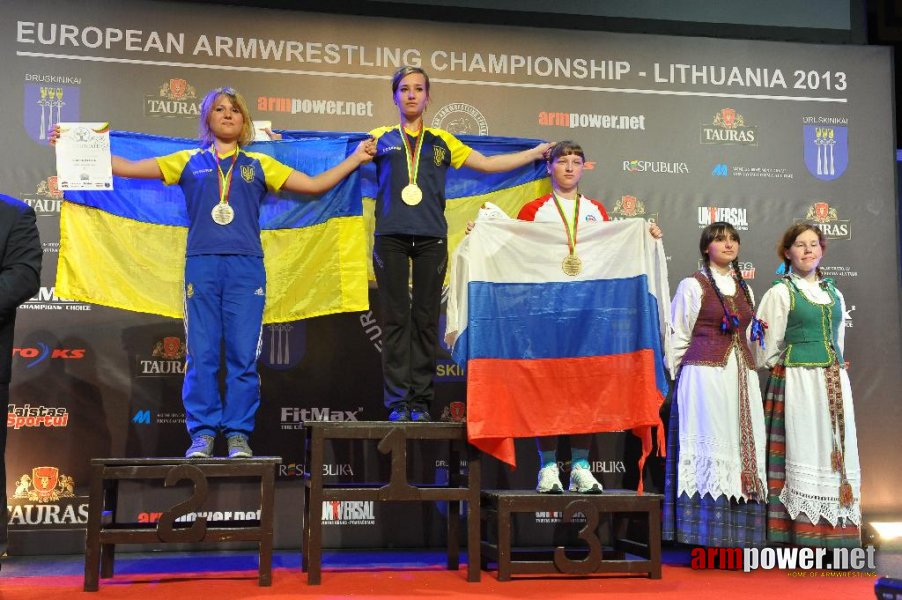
(709, 345)
(812, 329)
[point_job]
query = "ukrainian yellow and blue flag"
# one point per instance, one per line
(126, 248)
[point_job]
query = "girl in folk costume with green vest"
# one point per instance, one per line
(814, 478)
(715, 470)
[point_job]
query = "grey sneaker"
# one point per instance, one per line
(550, 480)
(201, 447)
(583, 482)
(238, 447)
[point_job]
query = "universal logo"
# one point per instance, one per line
(348, 512)
(176, 98)
(460, 119)
(737, 217)
(728, 127)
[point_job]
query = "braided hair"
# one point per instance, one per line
(711, 233)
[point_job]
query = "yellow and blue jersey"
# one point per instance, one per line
(440, 150)
(197, 173)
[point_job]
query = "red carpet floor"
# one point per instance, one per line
(677, 582)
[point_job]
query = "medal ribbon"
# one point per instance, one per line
(571, 234)
(225, 179)
(412, 156)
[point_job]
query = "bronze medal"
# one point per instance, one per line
(572, 265)
(411, 194)
(223, 214)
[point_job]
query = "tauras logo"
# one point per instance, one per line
(177, 98)
(46, 497)
(728, 127)
(167, 358)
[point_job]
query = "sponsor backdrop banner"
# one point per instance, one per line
(681, 131)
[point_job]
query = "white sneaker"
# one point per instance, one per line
(582, 481)
(549, 480)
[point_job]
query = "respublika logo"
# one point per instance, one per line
(48, 100)
(460, 118)
(827, 219)
(176, 98)
(826, 150)
(804, 559)
(737, 217)
(656, 166)
(728, 127)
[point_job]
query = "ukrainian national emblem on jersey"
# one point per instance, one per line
(826, 150)
(247, 173)
(438, 155)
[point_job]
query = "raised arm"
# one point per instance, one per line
(304, 184)
(146, 168)
(505, 162)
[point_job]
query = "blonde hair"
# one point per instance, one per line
(206, 107)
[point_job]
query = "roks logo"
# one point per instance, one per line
(176, 98)
(37, 355)
(728, 127)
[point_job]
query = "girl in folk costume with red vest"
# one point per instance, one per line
(715, 483)
(814, 478)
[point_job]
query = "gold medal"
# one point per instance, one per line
(411, 194)
(223, 214)
(572, 265)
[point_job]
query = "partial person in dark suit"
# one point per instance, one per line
(20, 278)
